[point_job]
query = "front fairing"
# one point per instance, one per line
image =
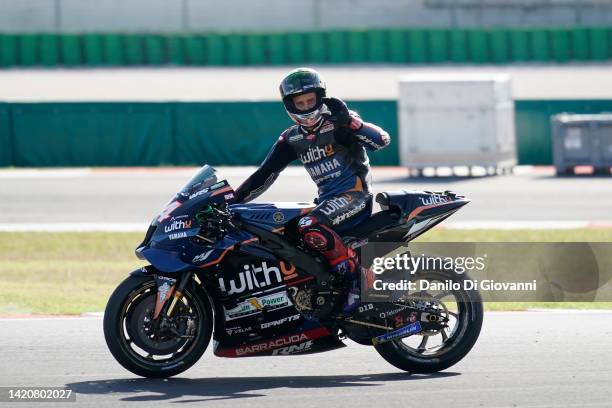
(170, 241)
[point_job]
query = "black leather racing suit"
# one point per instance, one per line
(336, 160)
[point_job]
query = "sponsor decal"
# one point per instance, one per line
(199, 193)
(165, 286)
(242, 310)
(413, 317)
(311, 137)
(316, 153)
(366, 307)
(271, 344)
(305, 222)
(386, 138)
(238, 330)
(165, 214)
(323, 168)
(285, 342)
(405, 331)
(254, 305)
(207, 189)
(228, 196)
(278, 217)
(216, 185)
(163, 291)
(177, 235)
(280, 322)
(293, 349)
(372, 143)
(327, 128)
(295, 138)
(392, 312)
(288, 273)
(358, 244)
(433, 199)
(178, 225)
(348, 214)
(335, 204)
(260, 277)
(202, 257)
(319, 180)
(183, 234)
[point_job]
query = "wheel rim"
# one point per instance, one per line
(161, 348)
(453, 305)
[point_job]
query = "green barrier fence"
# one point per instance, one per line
(357, 49)
(479, 46)
(49, 50)
(113, 50)
(317, 49)
(175, 50)
(519, 46)
(28, 50)
(71, 51)
(296, 48)
(84, 134)
(93, 54)
(398, 46)
(8, 50)
(533, 129)
(220, 133)
(6, 143)
(458, 45)
(195, 50)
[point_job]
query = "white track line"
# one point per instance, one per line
(75, 227)
(44, 173)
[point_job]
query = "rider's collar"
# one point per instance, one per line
(315, 129)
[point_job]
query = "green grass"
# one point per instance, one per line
(63, 273)
(72, 273)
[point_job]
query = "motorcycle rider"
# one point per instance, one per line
(331, 142)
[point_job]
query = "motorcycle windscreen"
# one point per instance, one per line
(205, 177)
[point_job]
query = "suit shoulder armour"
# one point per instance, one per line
(292, 134)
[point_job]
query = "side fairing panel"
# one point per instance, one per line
(271, 216)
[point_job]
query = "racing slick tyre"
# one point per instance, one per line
(465, 312)
(147, 347)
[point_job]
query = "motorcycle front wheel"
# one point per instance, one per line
(158, 348)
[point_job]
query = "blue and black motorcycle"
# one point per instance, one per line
(238, 273)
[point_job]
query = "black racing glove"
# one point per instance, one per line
(339, 111)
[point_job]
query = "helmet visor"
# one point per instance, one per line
(300, 82)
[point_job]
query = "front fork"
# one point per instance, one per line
(167, 289)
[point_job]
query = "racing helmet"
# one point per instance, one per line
(298, 82)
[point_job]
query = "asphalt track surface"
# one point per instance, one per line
(522, 359)
(532, 195)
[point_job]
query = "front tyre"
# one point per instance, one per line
(156, 349)
(429, 352)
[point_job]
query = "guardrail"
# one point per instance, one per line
(411, 46)
(220, 133)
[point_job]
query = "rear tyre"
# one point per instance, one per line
(467, 316)
(146, 349)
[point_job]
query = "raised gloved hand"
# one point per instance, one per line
(339, 111)
(341, 114)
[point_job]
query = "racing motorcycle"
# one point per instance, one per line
(240, 274)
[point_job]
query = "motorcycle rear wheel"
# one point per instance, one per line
(412, 354)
